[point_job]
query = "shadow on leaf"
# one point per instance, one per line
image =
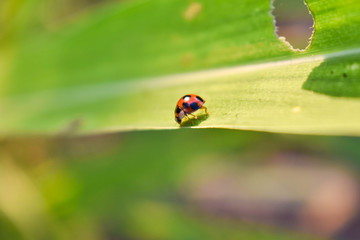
(195, 122)
(338, 77)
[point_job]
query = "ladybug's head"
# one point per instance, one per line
(179, 114)
(178, 120)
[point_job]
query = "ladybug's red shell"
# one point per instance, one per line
(186, 105)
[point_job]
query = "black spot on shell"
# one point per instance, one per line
(194, 106)
(200, 99)
(185, 105)
(177, 110)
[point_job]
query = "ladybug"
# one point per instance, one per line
(187, 105)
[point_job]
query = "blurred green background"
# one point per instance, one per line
(184, 184)
(179, 184)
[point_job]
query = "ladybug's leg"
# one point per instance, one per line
(205, 108)
(186, 115)
(193, 115)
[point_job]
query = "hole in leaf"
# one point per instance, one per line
(294, 23)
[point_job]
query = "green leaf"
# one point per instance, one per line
(124, 66)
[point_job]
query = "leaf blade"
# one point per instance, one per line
(99, 101)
